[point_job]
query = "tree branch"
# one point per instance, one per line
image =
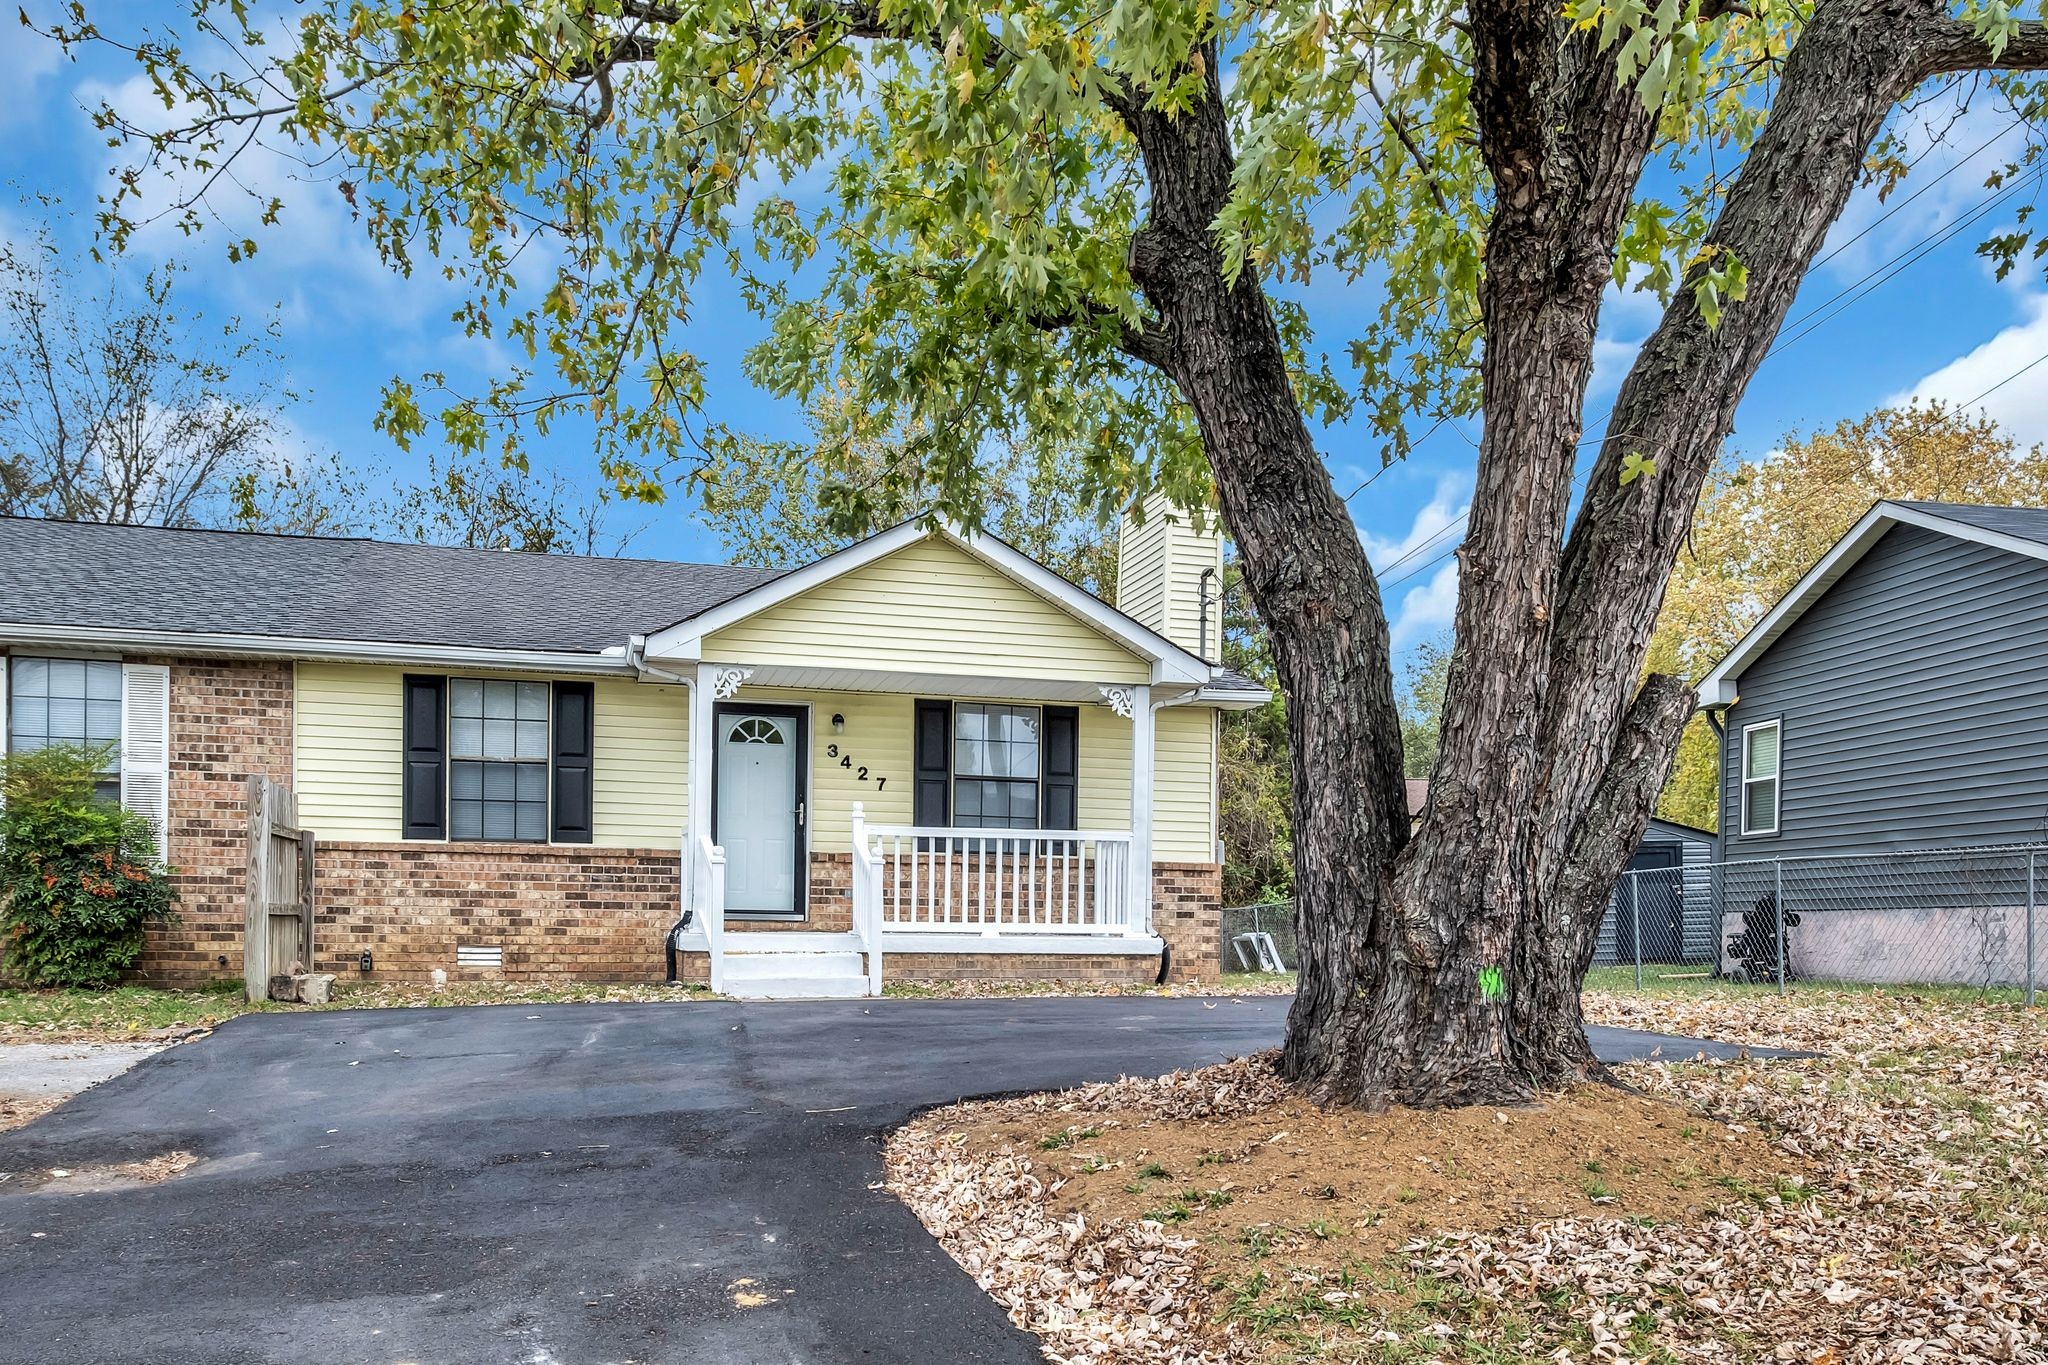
(1952, 45)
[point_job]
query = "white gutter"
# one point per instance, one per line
(612, 661)
(636, 659)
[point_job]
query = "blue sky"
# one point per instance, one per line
(1940, 326)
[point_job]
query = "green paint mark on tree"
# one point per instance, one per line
(1491, 987)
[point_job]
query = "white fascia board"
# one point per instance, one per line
(1720, 685)
(1170, 663)
(291, 647)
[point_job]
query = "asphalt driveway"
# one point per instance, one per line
(551, 1185)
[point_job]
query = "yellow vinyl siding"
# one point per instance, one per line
(347, 750)
(1159, 575)
(1104, 779)
(1184, 795)
(640, 778)
(1188, 553)
(930, 607)
(348, 756)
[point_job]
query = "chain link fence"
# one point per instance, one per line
(1962, 919)
(1259, 938)
(1966, 919)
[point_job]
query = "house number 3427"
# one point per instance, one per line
(846, 761)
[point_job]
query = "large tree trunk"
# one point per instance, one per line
(1444, 967)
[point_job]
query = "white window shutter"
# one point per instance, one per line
(146, 744)
(6, 719)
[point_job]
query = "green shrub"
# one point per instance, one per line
(79, 876)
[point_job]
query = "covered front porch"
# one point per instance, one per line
(929, 747)
(832, 840)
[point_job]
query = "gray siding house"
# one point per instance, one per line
(1896, 699)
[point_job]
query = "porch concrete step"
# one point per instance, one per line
(797, 987)
(781, 974)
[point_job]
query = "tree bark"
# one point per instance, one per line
(1852, 63)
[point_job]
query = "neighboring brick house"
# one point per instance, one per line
(929, 756)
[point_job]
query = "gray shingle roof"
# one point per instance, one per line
(147, 578)
(2021, 523)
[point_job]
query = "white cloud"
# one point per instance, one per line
(1952, 146)
(315, 265)
(1419, 572)
(27, 57)
(1426, 610)
(1447, 505)
(2020, 404)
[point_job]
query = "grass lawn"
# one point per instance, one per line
(1884, 1201)
(130, 1012)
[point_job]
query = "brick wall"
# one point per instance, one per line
(1187, 911)
(230, 720)
(558, 912)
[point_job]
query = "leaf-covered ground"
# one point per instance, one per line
(1891, 1208)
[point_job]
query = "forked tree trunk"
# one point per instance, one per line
(1444, 967)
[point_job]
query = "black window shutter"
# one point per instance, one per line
(574, 742)
(933, 763)
(425, 792)
(1060, 768)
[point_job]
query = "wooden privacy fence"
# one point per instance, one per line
(279, 926)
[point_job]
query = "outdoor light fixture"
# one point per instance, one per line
(365, 963)
(838, 723)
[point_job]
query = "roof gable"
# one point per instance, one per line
(2021, 530)
(807, 604)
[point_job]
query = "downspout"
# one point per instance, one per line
(636, 659)
(1204, 599)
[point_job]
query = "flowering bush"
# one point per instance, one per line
(79, 876)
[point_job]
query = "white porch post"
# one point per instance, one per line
(1139, 918)
(700, 767)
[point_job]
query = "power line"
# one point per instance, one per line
(1912, 255)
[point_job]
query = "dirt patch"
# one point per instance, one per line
(1328, 1187)
(18, 1110)
(90, 1179)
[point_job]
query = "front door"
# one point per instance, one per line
(759, 817)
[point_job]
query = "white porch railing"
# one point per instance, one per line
(996, 881)
(708, 900)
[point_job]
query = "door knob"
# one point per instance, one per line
(799, 815)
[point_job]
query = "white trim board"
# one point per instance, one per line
(896, 943)
(684, 641)
(1719, 686)
(204, 643)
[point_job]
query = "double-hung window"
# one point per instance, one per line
(1761, 761)
(497, 760)
(995, 766)
(68, 701)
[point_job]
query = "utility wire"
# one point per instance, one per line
(1889, 270)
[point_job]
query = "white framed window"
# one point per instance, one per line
(1762, 759)
(995, 766)
(68, 701)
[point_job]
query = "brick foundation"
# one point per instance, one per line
(559, 913)
(1187, 911)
